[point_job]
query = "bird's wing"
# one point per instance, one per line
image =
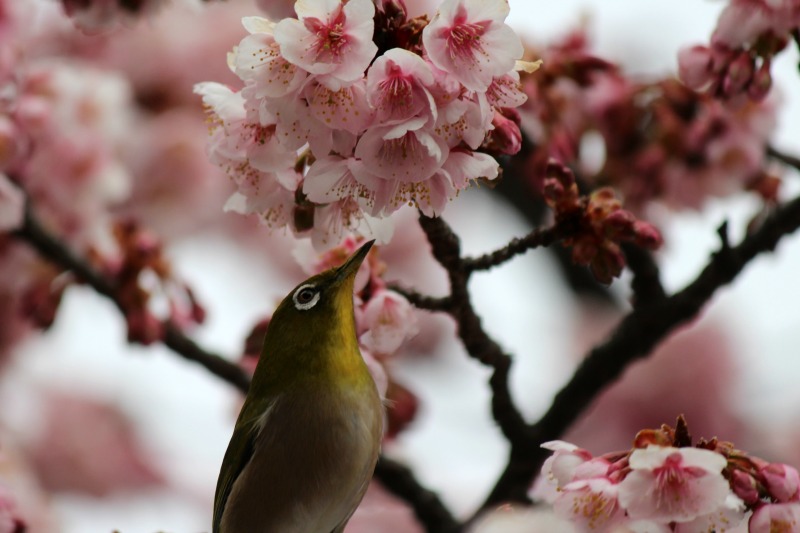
(238, 454)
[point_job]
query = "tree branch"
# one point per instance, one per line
(55, 251)
(517, 246)
(646, 284)
(447, 250)
(787, 159)
(638, 333)
(428, 509)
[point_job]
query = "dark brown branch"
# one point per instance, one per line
(55, 251)
(517, 246)
(428, 509)
(637, 334)
(646, 284)
(787, 159)
(447, 249)
(423, 301)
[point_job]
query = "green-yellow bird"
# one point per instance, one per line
(308, 436)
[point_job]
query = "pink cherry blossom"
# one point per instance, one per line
(331, 178)
(258, 60)
(330, 38)
(408, 152)
(559, 468)
(743, 21)
(251, 155)
(781, 481)
(673, 484)
(345, 109)
(397, 87)
(729, 518)
(591, 504)
(456, 174)
(10, 521)
(470, 40)
(388, 320)
(776, 518)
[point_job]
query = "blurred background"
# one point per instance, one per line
(98, 435)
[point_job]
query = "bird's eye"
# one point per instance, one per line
(305, 297)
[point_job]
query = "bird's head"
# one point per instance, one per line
(315, 318)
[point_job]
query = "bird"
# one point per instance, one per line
(308, 436)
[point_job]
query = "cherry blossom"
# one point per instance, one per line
(470, 40)
(776, 518)
(389, 320)
(397, 87)
(781, 481)
(250, 153)
(673, 484)
(330, 38)
(592, 504)
(258, 61)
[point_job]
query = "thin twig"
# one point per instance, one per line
(638, 333)
(479, 345)
(517, 246)
(55, 251)
(423, 301)
(787, 159)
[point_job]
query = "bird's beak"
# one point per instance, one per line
(350, 267)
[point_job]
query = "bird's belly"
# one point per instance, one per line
(309, 477)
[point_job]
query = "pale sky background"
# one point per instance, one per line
(188, 415)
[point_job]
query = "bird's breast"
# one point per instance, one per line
(312, 460)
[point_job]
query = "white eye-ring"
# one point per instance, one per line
(305, 297)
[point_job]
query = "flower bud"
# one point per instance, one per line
(782, 481)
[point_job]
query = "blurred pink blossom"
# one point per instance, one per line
(775, 517)
(90, 447)
(388, 320)
(781, 481)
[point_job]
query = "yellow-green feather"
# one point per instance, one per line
(304, 350)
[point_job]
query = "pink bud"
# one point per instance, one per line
(740, 72)
(694, 67)
(782, 481)
(505, 138)
(762, 82)
(647, 235)
(744, 486)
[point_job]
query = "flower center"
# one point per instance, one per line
(332, 40)
(464, 38)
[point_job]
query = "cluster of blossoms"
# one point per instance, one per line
(384, 321)
(597, 224)
(664, 484)
(653, 142)
(749, 34)
(64, 133)
(332, 131)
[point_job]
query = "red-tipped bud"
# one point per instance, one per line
(744, 486)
